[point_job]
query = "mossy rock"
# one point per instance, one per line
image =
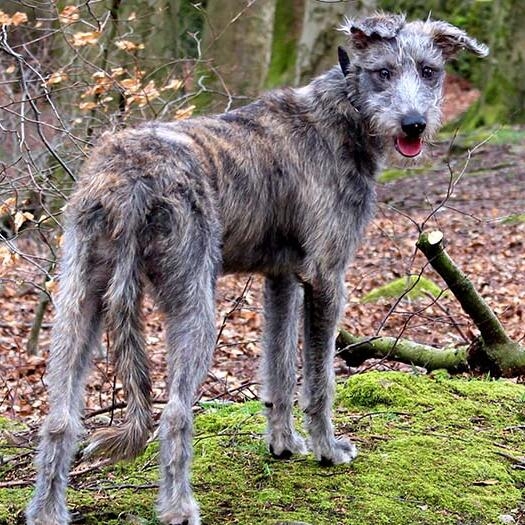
(429, 454)
(413, 286)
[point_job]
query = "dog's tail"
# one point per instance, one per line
(123, 299)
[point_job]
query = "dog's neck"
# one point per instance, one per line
(330, 101)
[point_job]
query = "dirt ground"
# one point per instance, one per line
(482, 235)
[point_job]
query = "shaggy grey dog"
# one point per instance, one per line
(283, 187)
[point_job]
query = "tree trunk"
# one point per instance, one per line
(502, 99)
(238, 41)
(317, 46)
(287, 31)
(32, 341)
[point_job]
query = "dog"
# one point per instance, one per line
(282, 187)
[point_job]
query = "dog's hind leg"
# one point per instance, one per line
(323, 301)
(184, 286)
(281, 311)
(76, 333)
(190, 339)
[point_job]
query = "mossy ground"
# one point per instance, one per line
(430, 453)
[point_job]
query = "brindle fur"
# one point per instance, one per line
(283, 187)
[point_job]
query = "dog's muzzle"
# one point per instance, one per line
(409, 143)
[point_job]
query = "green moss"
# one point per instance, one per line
(10, 425)
(414, 286)
(393, 174)
(429, 454)
(284, 44)
(518, 218)
(493, 135)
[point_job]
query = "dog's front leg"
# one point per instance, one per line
(281, 312)
(323, 301)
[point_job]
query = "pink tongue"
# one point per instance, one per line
(409, 147)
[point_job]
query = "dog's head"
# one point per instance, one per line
(395, 73)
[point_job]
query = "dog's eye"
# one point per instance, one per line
(427, 72)
(384, 74)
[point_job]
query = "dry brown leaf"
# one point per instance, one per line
(69, 14)
(21, 217)
(51, 286)
(127, 45)
(174, 84)
(82, 39)
(86, 106)
(184, 113)
(8, 205)
(15, 20)
(56, 78)
(7, 257)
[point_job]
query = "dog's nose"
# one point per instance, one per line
(413, 124)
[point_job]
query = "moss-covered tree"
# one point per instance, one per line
(502, 85)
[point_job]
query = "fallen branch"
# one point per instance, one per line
(355, 350)
(493, 351)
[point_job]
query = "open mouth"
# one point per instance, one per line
(407, 146)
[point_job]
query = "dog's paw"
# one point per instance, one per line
(284, 447)
(187, 513)
(32, 519)
(43, 512)
(339, 451)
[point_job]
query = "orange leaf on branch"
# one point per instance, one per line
(82, 39)
(69, 14)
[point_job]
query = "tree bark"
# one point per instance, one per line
(492, 332)
(287, 31)
(317, 45)
(495, 350)
(502, 86)
(32, 341)
(238, 41)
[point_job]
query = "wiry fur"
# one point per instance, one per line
(283, 187)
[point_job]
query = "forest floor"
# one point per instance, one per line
(433, 450)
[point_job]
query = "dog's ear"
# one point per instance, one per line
(344, 60)
(451, 40)
(363, 32)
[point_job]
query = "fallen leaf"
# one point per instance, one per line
(19, 18)
(127, 45)
(174, 84)
(184, 113)
(21, 217)
(56, 78)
